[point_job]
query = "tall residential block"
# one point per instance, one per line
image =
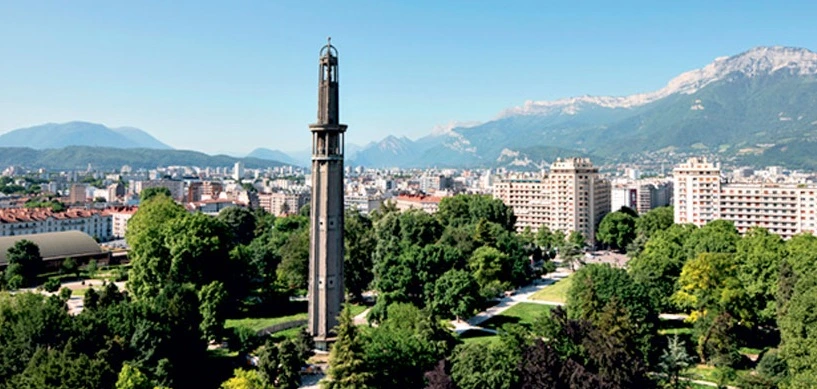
(702, 195)
(570, 197)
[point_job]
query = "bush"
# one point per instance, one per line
(52, 285)
(244, 340)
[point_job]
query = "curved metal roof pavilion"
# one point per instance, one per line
(54, 244)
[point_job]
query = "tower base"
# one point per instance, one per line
(324, 343)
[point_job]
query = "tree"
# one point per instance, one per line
(658, 219)
(659, 265)
(213, 312)
(346, 364)
(70, 266)
(24, 263)
(244, 379)
(576, 238)
(149, 255)
(798, 324)
(240, 221)
(131, 378)
(717, 236)
(294, 267)
(52, 285)
(150, 193)
(359, 244)
(455, 293)
(617, 229)
(289, 362)
(486, 265)
(268, 363)
(610, 299)
(674, 361)
(91, 268)
(759, 256)
(404, 346)
(476, 366)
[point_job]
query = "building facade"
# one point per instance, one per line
(641, 195)
(23, 221)
(176, 188)
(283, 203)
(702, 195)
(571, 197)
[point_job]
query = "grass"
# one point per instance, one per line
(259, 323)
(521, 313)
(556, 292)
(479, 337)
(291, 333)
(79, 292)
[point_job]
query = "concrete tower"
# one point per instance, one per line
(326, 234)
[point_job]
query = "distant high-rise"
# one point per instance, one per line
(326, 233)
(238, 170)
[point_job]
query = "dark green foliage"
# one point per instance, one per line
(358, 235)
(658, 219)
(70, 266)
(611, 300)
(241, 222)
(759, 256)
(455, 293)
(24, 264)
(404, 346)
(52, 285)
(212, 299)
(347, 369)
(280, 364)
(150, 193)
(659, 265)
(617, 229)
(717, 236)
(465, 209)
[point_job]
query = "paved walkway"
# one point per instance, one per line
(520, 295)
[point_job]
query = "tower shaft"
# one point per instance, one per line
(326, 231)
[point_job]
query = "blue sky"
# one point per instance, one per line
(233, 76)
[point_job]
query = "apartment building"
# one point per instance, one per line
(785, 209)
(78, 194)
(696, 191)
(430, 204)
(571, 197)
(283, 203)
(176, 188)
(119, 220)
(641, 195)
(23, 221)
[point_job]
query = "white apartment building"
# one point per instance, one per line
(785, 209)
(571, 197)
(696, 192)
(23, 221)
(119, 220)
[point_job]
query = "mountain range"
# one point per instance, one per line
(59, 135)
(757, 107)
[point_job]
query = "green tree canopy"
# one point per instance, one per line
(658, 219)
(25, 261)
(617, 229)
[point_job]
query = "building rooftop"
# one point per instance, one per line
(54, 244)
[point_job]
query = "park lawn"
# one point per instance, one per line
(479, 337)
(521, 313)
(556, 292)
(259, 323)
(79, 292)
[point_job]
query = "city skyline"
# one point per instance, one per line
(195, 76)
